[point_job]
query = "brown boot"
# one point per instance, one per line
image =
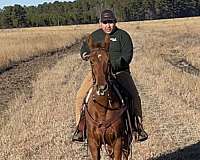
(80, 133)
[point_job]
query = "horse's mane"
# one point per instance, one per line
(95, 45)
(98, 45)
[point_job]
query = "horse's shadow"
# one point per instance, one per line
(191, 152)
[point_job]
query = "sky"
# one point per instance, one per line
(26, 2)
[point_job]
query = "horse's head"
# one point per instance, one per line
(100, 63)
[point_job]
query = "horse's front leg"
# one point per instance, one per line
(94, 149)
(118, 149)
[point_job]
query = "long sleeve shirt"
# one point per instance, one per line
(120, 50)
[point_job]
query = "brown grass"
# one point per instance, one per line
(172, 118)
(41, 127)
(20, 44)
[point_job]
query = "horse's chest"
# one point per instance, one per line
(105, 133)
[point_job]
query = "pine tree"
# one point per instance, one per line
(7, 17)
(88, 11)
(19, 17)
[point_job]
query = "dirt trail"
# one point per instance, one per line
(44, 130)
(18, 78)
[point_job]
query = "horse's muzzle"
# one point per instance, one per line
(102, 89)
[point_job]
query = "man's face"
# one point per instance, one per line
(107, 26)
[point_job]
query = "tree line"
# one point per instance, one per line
(88, 11)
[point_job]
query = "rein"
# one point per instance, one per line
(104, 90)
(106, 124)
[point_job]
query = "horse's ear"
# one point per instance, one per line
(90, 42)
(107, 42)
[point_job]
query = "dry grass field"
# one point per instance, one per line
(21, 44)
(165, 68)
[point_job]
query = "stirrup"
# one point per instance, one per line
(80, 133)
(78, 136)
(142, 136)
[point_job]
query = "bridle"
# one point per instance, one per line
(102, 89)
(106, 96)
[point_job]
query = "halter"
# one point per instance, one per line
(105, 95)
(101, 91)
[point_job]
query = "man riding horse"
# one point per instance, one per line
(121, 53)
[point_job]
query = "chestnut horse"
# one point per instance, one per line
(105, 109)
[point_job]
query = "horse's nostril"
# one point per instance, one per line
(102, 87)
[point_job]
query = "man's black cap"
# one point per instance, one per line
(107, 15)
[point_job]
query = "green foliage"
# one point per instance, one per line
(88, 11)
(13, 16)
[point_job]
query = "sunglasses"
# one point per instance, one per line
(108, 21)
